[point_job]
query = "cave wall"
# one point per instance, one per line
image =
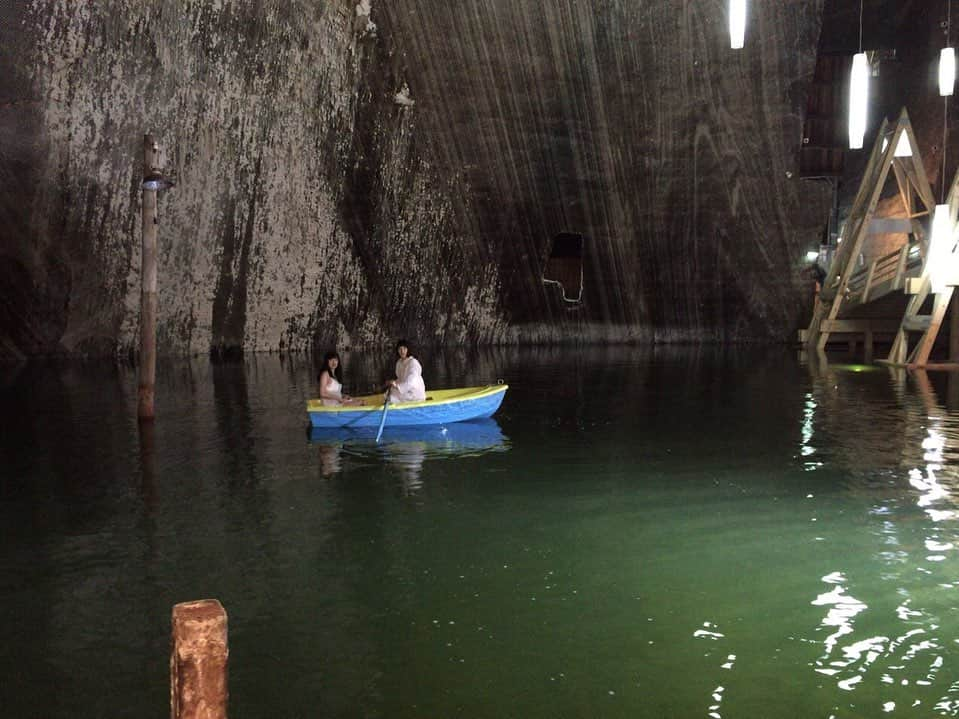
(319, 202)
(304, 211)
(634, 124)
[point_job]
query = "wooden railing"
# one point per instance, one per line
(884, 274)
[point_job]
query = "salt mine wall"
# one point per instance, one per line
(350, 172)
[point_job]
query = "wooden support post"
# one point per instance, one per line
(148, 288)
(198, 661)
(869, 276)
(924, 347)
(900, 348)
(867, 347)
(901, 266)
(905, 188)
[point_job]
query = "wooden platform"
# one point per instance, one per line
(930, 367)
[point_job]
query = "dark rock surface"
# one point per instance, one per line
(349, 172)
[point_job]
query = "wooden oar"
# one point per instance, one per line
(386, 406)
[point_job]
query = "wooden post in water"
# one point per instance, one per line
(148, 286)
(198, 661)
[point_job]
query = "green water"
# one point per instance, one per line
(675, 533)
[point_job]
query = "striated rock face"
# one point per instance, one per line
(636, 126)
(352, 171)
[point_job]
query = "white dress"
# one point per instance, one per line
(335, 389)
(409, 382)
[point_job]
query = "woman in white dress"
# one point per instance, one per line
(408, 385)
(331, 386)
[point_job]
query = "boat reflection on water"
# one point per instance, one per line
(406, 448)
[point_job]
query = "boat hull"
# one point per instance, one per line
(452, 439)
(440, 407)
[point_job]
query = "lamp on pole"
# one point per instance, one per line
(153, 182)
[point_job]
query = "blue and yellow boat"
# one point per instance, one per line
(441, 406)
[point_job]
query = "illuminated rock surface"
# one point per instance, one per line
(349, 172)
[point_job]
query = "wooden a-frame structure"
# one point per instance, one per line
(895, 148)
(937, 278)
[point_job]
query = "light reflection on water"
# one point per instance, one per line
(921, 436)
(636, 533)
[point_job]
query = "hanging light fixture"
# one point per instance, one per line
(858, 93)
(947, 71)
(858, 100)
(737, 23)
(947, 59)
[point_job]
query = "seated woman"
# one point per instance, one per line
(331, 388)
(408, 386)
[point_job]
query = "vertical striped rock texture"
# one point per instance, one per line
(352, 171)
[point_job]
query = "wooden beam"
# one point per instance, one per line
(148, 289)
(905, 188)
(862, 325)
(901, 266)
(897, 353)
(917, 176)
(198, 661)
(869, 276)
(939, 307)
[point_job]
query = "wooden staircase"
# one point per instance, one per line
(848, 288)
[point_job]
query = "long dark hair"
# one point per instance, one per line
(403, 343)
(335, 374)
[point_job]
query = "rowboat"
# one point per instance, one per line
(441, 406)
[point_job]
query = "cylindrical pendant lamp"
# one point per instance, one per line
(947, 70)
(737, 23)
(858, 100)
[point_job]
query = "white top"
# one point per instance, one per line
(334, 390)
(409, 381)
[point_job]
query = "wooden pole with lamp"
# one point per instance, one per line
(153, 182)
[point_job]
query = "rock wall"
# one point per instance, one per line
(635, 125)
(350, 172)
(303, 212)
